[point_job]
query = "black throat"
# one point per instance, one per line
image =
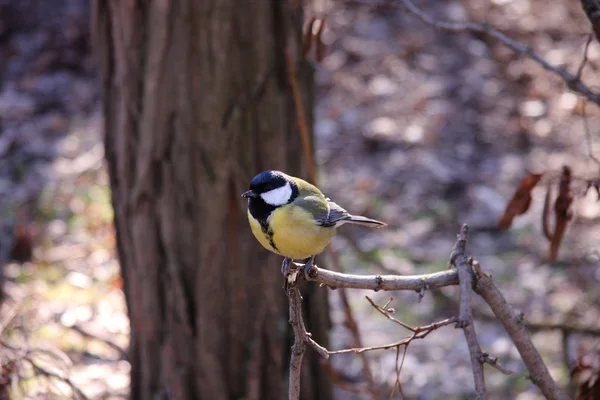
(261, 211)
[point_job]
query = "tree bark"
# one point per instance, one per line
(196, 103)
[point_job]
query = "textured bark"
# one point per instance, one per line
(196, 103)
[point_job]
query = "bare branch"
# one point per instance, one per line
(384, 282)
(573, 82)
(462, 262)
(493, 362)
(299, 344)
(122, 353)
(459, 259)
(301, 338)
(419, 333)
(563, 326)
(49, 374)
(476, 361)
(20, 355)
(468, 270)
(383, 310)
(513, 324)
(585, 56)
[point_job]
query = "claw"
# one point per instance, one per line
(307, 267)
(286, 266)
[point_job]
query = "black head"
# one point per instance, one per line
(269, 190)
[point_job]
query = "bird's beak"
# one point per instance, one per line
(250, 194)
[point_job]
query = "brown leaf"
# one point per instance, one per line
(520, 201)
(308, 37)
(562, 212)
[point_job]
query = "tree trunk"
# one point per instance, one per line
(197, 102)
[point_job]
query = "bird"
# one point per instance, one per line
(293, 218)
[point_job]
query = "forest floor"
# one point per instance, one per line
(420, 128)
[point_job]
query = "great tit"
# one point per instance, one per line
(292, 218)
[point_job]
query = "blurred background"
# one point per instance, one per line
(420, 128)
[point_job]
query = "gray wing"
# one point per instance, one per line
(334, 214)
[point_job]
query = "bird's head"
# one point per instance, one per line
(273, 188)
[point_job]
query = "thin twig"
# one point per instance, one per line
(384, 310)
(27, 355)
(49, 374)
(573, 82)
(585, 56)
(420, 333)
(563, 326)
(398, 370)
(542, 325)
(494, 363)
(512, 323)
(122, 353)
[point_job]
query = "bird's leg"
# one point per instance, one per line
(286, 266)
(306, 267)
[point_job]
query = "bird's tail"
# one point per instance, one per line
(359, 220)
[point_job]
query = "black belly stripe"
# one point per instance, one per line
(264, 226)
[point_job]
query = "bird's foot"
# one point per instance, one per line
(307, 267)
(286, 266)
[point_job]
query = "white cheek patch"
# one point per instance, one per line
(279, 196)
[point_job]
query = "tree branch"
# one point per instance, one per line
(417, 283)
(573, 82)
(20, 355)
(462, 262)
(418, 333)
(470, 275)
(122, 352)
(513, 324)
(301, 338)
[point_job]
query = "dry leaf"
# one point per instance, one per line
(520, 201)
(562, 212)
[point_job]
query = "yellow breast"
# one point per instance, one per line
(293, 233)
